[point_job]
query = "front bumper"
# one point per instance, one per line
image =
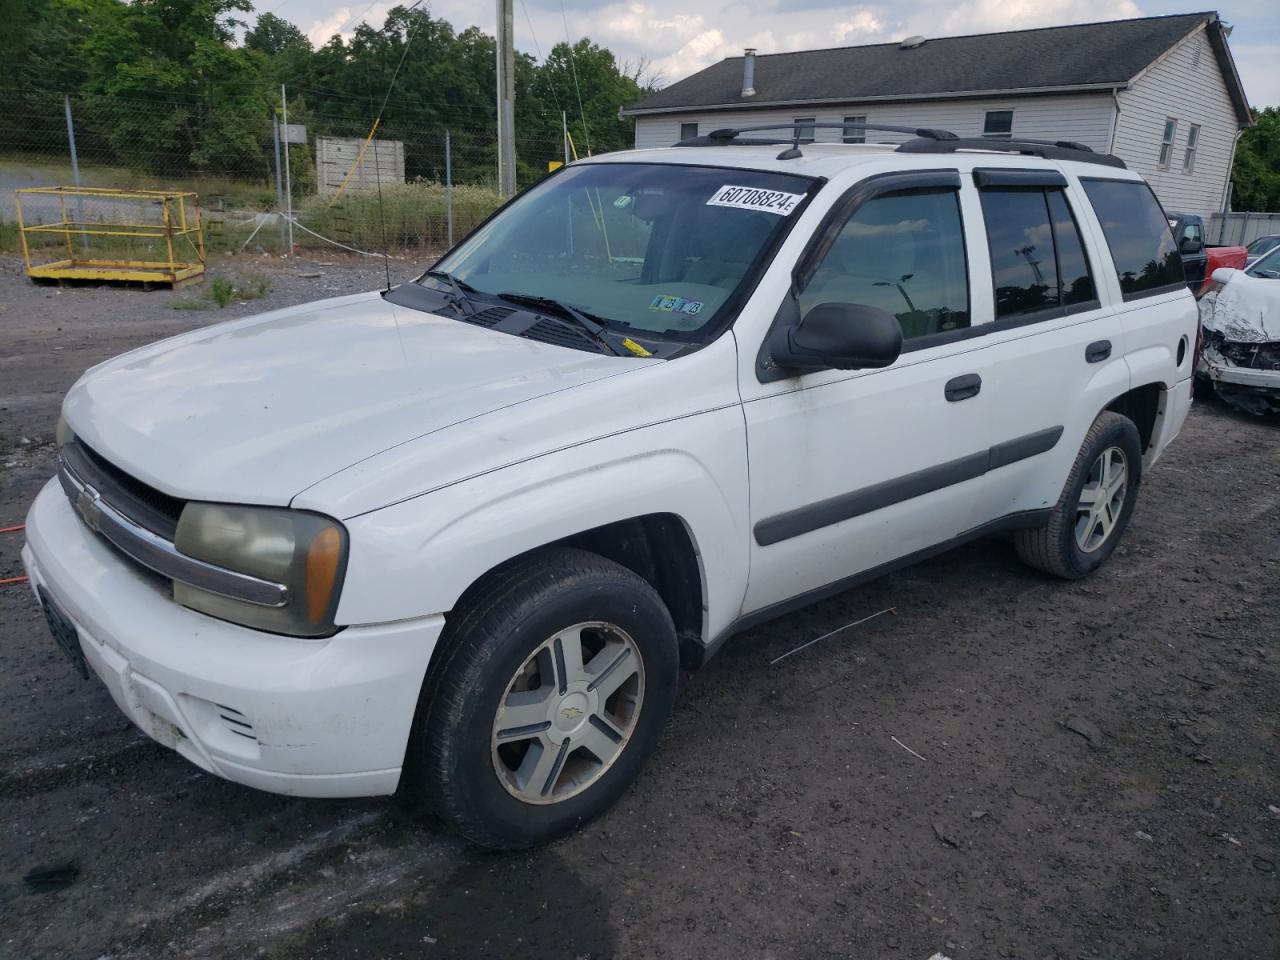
(317, 718)
(1242, 376)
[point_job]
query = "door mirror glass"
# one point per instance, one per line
(840, 336)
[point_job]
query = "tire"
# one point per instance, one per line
(1202, 387)
(1079, 538)
(492, 776)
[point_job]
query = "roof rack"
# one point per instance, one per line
(1049, 149)
(928, 140)
(729, 135)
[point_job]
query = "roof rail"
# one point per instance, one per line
(1049, 149)
(729, 135)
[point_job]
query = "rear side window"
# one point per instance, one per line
(904, 253)
(1037, 260)
(1146, 258)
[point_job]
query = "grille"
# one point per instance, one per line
(144, 505)
(490, 317)
(236, 722)
(548, 331)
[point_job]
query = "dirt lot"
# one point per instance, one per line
(780, 818)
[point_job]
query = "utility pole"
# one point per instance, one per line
(506, 101)
(288, 185)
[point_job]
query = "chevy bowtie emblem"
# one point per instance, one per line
(87, 506)
(571, 713)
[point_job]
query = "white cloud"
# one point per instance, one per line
(680, 37)
(981, 16)
(343, 21)
(862, 23)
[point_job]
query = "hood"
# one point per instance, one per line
(254, 411)
(1247, 309)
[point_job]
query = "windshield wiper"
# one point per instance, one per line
(457, 296)
(593, 328)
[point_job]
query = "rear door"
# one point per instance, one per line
(1054, 356)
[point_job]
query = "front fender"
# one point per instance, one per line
(416, 557)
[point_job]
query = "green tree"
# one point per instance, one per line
(1256, 173)
(215, 115)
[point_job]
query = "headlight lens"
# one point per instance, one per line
(307, 552)
(62, 433)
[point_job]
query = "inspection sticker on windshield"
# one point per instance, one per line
(753, 198)
(669, 304)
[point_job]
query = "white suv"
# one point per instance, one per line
(454, 540)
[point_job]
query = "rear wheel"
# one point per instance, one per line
(1096, 504)
(552, 689)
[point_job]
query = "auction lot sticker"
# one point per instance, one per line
(754, 198)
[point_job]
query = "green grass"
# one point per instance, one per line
(416, 216)
(223, 290)
(9, 242)
(215, 192)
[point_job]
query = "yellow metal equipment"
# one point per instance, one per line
(98, 233)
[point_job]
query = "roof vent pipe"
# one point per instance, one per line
(912, 43)
(749, 72)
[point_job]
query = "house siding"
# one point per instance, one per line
(1085, 118)
(1177, 86)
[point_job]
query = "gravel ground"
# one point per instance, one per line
(1099, 775)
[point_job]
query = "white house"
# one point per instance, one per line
(1161, 93)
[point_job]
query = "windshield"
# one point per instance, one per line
(1268, 267)
(647, 250)
(1261, 246)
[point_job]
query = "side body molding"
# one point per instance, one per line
(806, 519)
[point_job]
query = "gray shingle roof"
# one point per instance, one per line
(1081, 55)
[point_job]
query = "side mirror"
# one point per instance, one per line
(1222, 274)
(840, 336)
(1189, 245)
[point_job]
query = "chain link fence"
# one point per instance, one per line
(445, 183)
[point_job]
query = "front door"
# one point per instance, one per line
(850, 470)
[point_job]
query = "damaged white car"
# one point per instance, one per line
(1240, 356)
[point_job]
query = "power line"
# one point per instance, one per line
(582, 114)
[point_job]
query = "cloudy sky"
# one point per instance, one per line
(679, 37)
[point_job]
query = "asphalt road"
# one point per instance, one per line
(917, 784)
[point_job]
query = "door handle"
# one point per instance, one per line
(1097, 351)
(963, 387)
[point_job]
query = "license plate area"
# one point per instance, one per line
(64, 633)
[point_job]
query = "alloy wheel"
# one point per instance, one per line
(1102, 499)
(568, 712)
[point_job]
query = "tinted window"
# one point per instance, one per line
(1146, 258)
(1021, 242)
(903, 253)
(998, 123)
(1073, 266)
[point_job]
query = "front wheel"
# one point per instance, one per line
(552, 690)
(1096, 503)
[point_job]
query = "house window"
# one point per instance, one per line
(688, 131)
(998, 124)
(805, 133)
(1189, 155)
(854, 134)
(1166, 142)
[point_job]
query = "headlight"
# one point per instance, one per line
(62, 433)
(306, 552)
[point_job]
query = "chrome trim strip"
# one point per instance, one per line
(158, 554)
